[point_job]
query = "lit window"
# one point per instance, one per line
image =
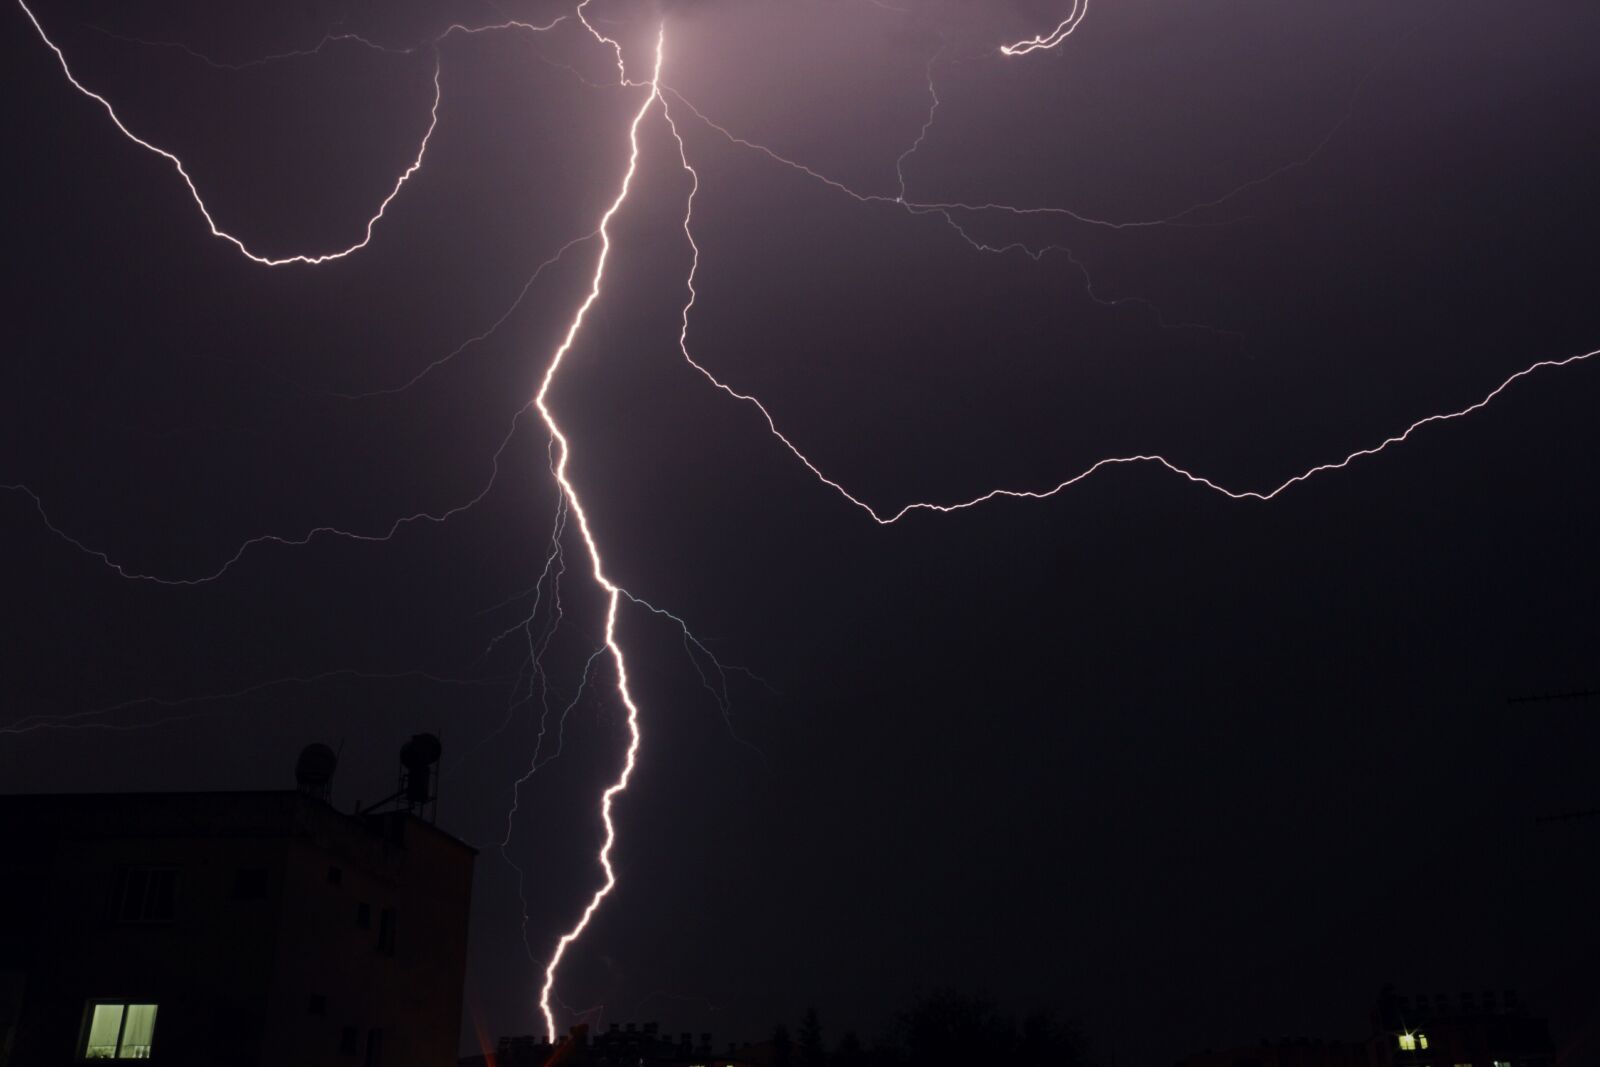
(119, 1032)
(1408, 1043)
(1422, 1040)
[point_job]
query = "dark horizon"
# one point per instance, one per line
(1178, 765)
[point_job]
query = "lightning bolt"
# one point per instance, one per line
(714, 680)
(309, 259)
(922, 134)
(194, 192)
(263, 60)
(572, 513)
(569, 492)
(571, 500)
(890, 517)
(436, 518)
(1080, 8)
(535, 763)
(886, 517)
(476, 338)
(332, 39)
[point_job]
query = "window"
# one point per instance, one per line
(347, 1041)
(335, 875)
(143, 894)
(386, 932)
(317, 1004)
(1408, 1042)
(250, 883)
(374, 1048)
(363, 916)
(119, 1031)
(1422, 1040)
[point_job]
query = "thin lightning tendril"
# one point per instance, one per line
(922, 135)
(477, 338)
(205, 212)
(309, 259)
(714, 681)
(887, 518)
(535, 764)
(1037, 254)
(263, 60)
(437, 518)
(335, 38)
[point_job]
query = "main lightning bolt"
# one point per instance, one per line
(569, 492)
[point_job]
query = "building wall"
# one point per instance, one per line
(255, 930)
(73, 946)
(408, 987)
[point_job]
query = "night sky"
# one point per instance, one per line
(1191, 770)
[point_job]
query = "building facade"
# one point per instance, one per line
(248, 929)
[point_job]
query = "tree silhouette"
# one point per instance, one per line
(1046, 1040)
(849, 1053)
(943, 1028)
(947, 1028)
(782, 1047)
(812, 1052)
